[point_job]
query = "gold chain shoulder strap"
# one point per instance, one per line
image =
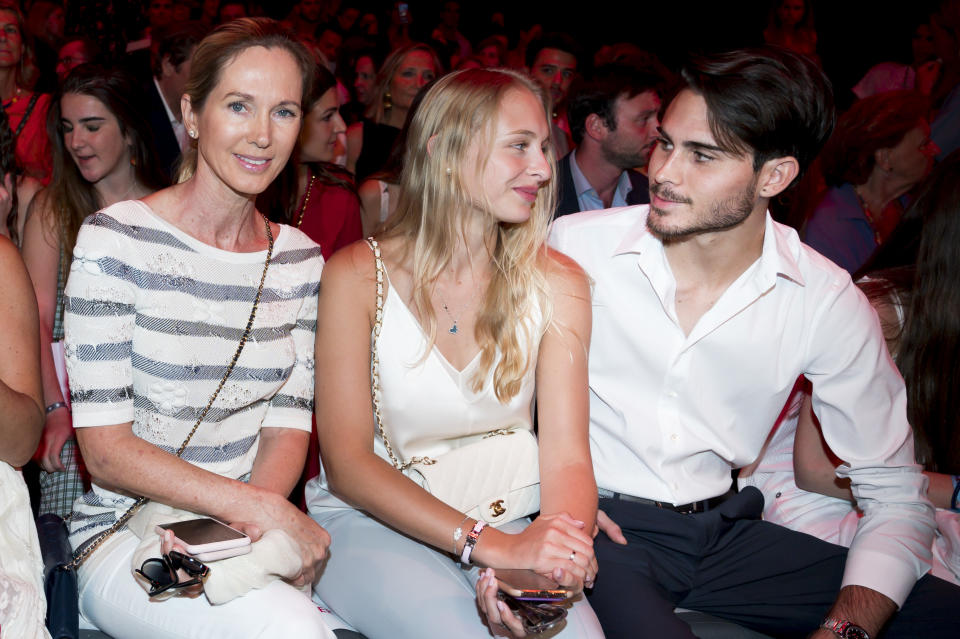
(375, 367)
(88, 549)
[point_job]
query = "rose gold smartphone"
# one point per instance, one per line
(526, 585)
(208, 539)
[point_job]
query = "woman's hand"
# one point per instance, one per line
(499, 617)
(556, 546)
(276, 512)
(56, 431)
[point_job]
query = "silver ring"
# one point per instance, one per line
(573, 554)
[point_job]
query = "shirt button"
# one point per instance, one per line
(671, 393)
(674, 437)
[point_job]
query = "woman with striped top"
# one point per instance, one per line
(160, 292)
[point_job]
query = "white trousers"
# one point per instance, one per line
(389, 586)
(112, 600)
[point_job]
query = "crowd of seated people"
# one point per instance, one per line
(579, 248)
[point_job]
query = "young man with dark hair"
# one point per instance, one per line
(705, 313)
(613, 121)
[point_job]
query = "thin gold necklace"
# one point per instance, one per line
(306, 198)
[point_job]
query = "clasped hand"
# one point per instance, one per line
(557, 547)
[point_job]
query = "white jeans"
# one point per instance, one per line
(387, 585)
(111, 598)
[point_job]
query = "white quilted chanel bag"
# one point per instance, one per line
(496, 478)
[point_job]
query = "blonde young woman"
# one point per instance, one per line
(477, 315)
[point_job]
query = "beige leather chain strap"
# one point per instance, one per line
(375, 367)
(87, 550)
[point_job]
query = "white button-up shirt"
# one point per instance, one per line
(672, 414)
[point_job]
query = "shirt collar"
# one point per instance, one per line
(778, 257)
(582, 185)
(163, 101)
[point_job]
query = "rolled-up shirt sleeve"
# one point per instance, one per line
(860, 400)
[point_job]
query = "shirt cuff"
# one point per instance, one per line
(881, 572)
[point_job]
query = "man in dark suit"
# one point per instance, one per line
(613, 120)
(171, 68)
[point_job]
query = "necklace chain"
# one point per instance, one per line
(454, 328)
(306, 198)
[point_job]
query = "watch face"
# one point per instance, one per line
(855, 632)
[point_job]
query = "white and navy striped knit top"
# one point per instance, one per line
(153, 318)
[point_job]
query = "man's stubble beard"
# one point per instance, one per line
(724, 215)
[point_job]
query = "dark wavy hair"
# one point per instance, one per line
(8, 166)
(929, 353)
(599, 94)
(279, 201)
(766, 101)
(70, 197)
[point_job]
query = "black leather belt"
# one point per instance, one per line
(684, 509)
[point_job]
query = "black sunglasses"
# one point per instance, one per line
(161, 572)
(536, 617)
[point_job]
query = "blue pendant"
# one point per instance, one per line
(453, 329)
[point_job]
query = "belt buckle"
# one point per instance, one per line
(688, 509)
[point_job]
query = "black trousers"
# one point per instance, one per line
(728, 563)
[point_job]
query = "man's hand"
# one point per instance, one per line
(862, 606)
(609, 528)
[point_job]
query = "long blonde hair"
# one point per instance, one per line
(430, 216)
